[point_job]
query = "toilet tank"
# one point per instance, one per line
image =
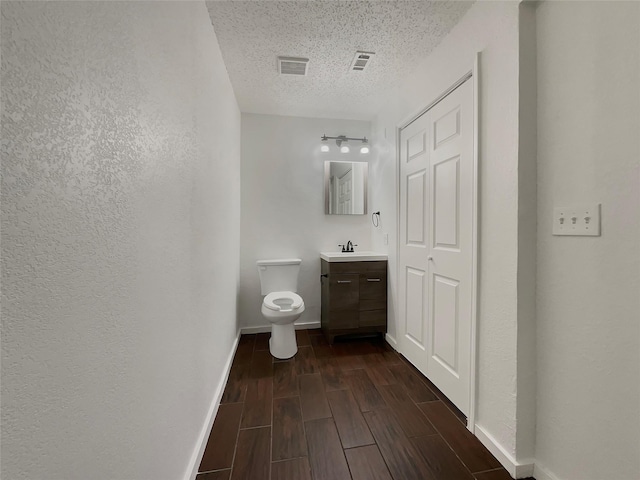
(279, 275)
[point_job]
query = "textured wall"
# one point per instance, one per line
(588, 287)
(492, 29)
(283, 204)
(120, 236)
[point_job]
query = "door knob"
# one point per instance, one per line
(430, 258)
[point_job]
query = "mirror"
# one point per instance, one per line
(345, 188)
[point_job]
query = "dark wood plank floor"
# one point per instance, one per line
(354, 410)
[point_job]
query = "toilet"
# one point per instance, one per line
(281, 305)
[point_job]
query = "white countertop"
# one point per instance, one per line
(359, 256)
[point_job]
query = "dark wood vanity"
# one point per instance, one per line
(354, 298)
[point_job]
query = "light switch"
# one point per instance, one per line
(386, 239)
(577, 220)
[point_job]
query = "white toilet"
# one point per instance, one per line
(281, 305)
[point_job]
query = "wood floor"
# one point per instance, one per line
(355, 410)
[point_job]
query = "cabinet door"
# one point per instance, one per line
(373, 291)
(344, 303)
(373, 318)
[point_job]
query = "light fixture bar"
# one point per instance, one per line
(340, 139)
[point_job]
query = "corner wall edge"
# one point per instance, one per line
(196, 457)
(516, 469)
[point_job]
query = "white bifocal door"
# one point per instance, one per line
(345, 186)
(414, 245)
(437, 201)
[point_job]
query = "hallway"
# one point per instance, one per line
(143, 175)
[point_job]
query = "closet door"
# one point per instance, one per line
(414, 241)
(450, 245)
(436, 242)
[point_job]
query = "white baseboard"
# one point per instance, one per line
(391, 341)
(267, 328)
(196, 457)
(541, 473)
(516, 469)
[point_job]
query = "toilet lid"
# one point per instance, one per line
(294, 298)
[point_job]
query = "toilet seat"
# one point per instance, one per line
(282, 301)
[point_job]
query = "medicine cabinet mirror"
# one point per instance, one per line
(345, 188)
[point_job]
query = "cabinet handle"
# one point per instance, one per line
(373, 279)
(344, 281)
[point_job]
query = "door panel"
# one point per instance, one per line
(437, 188)
(444, 344)
(446, 127)
(416, 202)
(445, 203)
(416, 289)
(416, 145)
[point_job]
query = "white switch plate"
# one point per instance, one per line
(386, 239)
(581, 220)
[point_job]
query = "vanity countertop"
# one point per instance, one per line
(361, 256)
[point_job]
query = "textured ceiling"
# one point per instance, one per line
(252, 34)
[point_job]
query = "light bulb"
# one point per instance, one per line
(324, 148)
(364, 149)
(344, 149)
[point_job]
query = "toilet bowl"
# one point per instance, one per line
(282, 309)
(281, 306)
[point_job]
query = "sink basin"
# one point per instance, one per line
(361, 256)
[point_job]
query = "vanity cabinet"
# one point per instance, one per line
(354, 298)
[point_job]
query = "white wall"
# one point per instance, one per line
(491, 28)
(283, 204)
(588, 303)
(120, 236)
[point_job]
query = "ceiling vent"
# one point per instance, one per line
(292, 66)
(361, 60)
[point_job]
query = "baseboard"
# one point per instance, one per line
(267, 328)
(196, 458)
(391, 341)
(541, 473)
(516, 469)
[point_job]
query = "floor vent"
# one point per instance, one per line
(292, 65)
(361, 60)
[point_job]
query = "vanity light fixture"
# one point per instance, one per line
(342, 141)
